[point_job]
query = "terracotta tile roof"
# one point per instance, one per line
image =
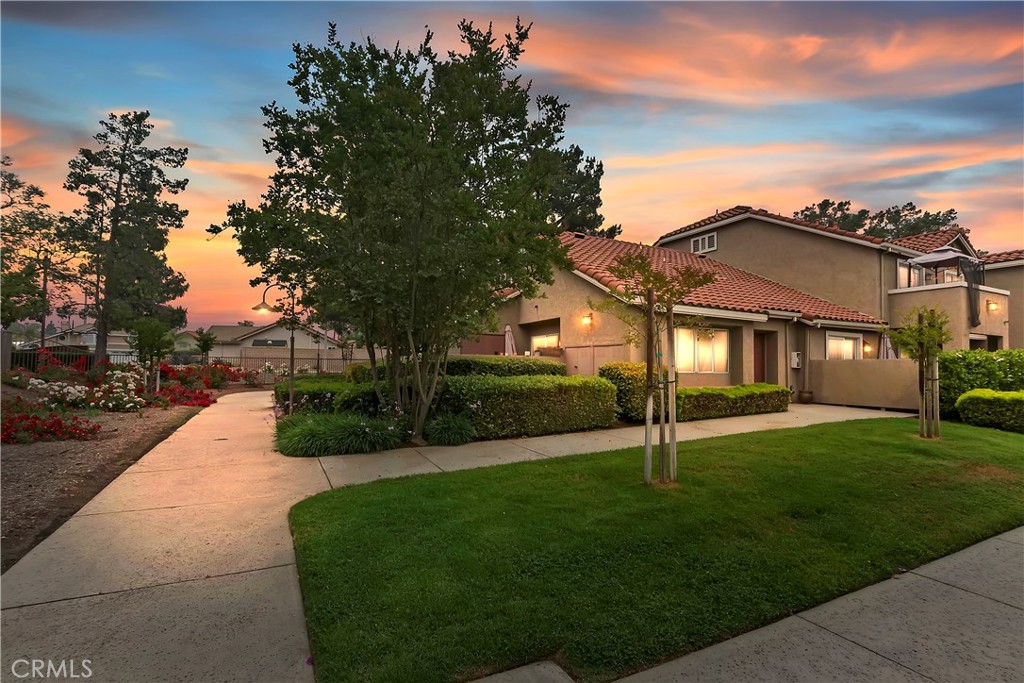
(732, 290)
(1004, 256)
(930, 241)
(737, 211)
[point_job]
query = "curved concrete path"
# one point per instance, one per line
(182, 569)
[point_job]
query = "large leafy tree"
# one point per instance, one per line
(411, 187)
(576, 196)
(37, 267)
(124, 226)
(891, 223)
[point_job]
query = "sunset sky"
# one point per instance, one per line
(692, 107)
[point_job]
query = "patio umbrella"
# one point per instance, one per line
(510, 341)
(885, 348)
(943, 256)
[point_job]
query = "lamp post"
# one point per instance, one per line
(263, 308)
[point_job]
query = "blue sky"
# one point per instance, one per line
(692, 106)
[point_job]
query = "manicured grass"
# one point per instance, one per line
(452, 576)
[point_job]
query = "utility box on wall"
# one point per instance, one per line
(795, 360)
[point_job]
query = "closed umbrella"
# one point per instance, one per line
(886, 351)
(510, 341)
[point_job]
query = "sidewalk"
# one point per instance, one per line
(183, 567)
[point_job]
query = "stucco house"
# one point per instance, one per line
(83, 338)
(877, 277)
(1005, 270)
(762, 330)
(252, 346)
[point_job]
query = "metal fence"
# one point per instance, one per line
(29, 360)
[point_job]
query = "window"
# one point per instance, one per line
(709, 242)
(707, 352)
(544, 341)
(909, 276)
(843, 346)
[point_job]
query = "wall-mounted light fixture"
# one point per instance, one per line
(991, 305)
(867, 348)
(588, 318)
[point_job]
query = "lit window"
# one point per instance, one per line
(709, 242)
(705, 353)
(843, 346)
(544, 341)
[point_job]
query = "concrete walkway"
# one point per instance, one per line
(183, 567)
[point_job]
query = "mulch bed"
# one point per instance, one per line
(45, 483)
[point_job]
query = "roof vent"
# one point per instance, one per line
(702, 255)
(578, 235)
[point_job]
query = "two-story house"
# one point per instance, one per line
(885, 279)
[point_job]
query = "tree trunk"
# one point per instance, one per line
(673, 473)
(935, 396)
(649, 419)
(45, 309)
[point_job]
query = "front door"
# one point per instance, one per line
(760, 354)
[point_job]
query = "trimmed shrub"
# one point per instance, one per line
(357, 398)
(450, 430)
(502, 407)
(503, 366)
(338, 434)
(961, 371)
(630, 380)
(746, 399)
(313, 394)
(987, 408)
(460, 366)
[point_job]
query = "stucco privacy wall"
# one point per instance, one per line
(952, 298)
(847, 273)
(1011, 279)
(870, 383)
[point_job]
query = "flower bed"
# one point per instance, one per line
(25, 422)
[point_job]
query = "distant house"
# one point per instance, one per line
(83, 338)
(881, 278)
(252, 346)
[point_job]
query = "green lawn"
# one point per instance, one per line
(452, 576)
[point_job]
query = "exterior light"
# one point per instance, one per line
(588, 318)
(867, 348)
(262, 308)
(992, 306)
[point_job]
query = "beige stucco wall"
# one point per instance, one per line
(952, 298)
(869, 383)
(846, 273)
(1012, 280)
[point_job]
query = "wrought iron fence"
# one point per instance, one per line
(29, 359)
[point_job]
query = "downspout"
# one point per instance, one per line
(881, 286)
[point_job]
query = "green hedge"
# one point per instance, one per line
(746, 399)
(320, 435)
(961, 371)
(459, 366)
(313, 394)
(987, 408)
(703, 403)
(630, 380)
(357, 398)
(503, 407)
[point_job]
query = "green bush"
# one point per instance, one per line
(531, 405)
(459, 366)
(337, 434)
(988, 408)
(630, 380)
(313, 394)
(289, 422)
(961, 371)
(503, 366)
(450, 430)
(746, 399)
(357, 398)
